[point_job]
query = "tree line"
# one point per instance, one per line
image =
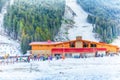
(106, 28)
(33, 20)
(103, 20)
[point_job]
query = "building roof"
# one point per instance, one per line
(55, 43)
(44, 43)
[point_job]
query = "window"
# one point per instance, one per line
(85, 44)
(92, 45)
(72, 44)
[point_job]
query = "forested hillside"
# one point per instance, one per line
(106, 28)
(104, 16)
(29, 20)
(2, 2)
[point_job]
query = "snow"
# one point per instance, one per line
(82, 28)
(7, 45)
(63, 31)
(94, 68)
(99, 68)
(116, 41)
(112, 4)
(11, 2)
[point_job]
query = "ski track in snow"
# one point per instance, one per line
(7, 45)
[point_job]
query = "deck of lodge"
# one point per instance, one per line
(73, 47)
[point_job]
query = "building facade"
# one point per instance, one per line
(73, 47)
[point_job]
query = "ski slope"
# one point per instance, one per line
(82, 28)
(100, 68)
(7, 45)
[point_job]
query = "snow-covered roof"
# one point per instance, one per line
(44, 43)
(54, 43)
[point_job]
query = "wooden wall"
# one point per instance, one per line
(41, 52)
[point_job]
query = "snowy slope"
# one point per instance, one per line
(82, 28)
(85, 29)
(7, 45)
(104, 68)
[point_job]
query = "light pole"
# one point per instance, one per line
(63, 54)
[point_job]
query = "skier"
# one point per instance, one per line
(28, 59)
(16, 58)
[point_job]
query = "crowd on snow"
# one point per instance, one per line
(14, 59)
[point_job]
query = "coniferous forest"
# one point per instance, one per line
(104, 20)
(29, 20)
(104, 27)
(40, 20)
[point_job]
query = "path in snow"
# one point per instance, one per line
(82, 28)
(7, 45)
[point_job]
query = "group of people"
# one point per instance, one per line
(40, 57)
(37, 57)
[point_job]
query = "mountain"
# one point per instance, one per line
(79, 25)
(99, 18)
(7, 44)
(104, 15)
(29, 20)
(41, 20)
(104, 8)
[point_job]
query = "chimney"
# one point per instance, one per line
(79, 38)
(49, 41)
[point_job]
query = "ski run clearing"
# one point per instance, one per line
(82, 28)
(95, 68)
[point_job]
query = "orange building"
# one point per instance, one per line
(72, 47)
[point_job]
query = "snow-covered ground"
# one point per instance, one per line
(7, 45)
(102, 68)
